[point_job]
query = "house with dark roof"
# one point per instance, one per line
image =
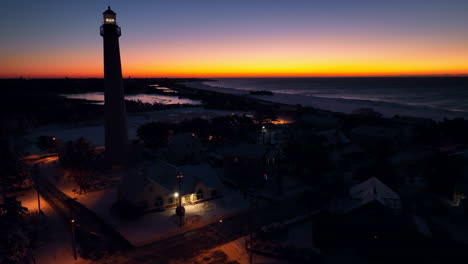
(156, 187)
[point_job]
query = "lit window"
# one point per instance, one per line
(110, 20)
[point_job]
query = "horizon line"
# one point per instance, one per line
(243, 77)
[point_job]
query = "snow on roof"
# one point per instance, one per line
(165, 174)
(132, 184)
(374, 190)
(203, 173)
(333, 137)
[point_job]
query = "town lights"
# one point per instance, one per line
(176, 194)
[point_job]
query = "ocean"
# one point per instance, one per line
(423, 94)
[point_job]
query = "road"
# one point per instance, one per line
(87, 221)
(189, 244)
(182, 246)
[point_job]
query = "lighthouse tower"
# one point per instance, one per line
(115, 126)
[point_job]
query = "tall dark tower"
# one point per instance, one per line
(115, 115)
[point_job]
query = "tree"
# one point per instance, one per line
(47, 143)
(82, 161)
(13, 233)
(12, 172)
(368, 112)
(155, 134)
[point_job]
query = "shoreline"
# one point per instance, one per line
(335, 105)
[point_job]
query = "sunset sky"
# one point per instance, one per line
(237, 38)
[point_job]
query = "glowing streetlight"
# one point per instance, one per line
(180, 210)
(73, 225)
(263, 134)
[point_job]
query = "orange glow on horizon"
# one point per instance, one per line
(263, 57)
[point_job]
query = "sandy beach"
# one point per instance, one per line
(342, 105)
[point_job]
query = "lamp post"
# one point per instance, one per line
(251, 223)
(263, 134)
(180, 210)
(73, 225)
(36, 173)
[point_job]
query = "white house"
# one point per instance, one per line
(156, 187)
(367, 192)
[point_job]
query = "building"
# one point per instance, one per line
(115, 116)
(156, 187)
(371, 195)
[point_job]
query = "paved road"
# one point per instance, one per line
(182, 246)
(87, 221)
(187, 245)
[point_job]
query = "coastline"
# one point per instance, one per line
(346, 106)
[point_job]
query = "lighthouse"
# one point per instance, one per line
(115, 115)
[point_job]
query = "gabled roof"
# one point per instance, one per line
(374, 190)
(132, 184)
(367, 193)
(165, 174)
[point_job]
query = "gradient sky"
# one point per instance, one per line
(225, 38)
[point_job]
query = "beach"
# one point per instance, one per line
(387, 109)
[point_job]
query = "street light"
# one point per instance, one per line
(263, 134)
(35, 174)
(73, 225)
(180, 210)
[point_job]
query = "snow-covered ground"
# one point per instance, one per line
(55, 245)
(342, 105)
(156, 225)
(94, 130)
(235, 251)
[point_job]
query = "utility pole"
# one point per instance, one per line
(263, 134)
(180, 210)
(36, 173)
(73, 225)
(251, 229)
